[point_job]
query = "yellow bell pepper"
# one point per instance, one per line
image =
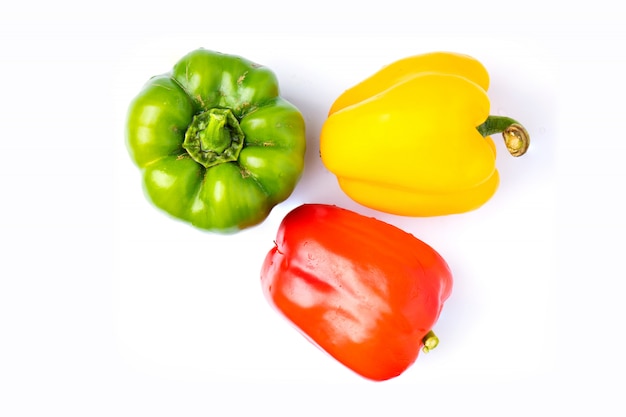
(413, 139)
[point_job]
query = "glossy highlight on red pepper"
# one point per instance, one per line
(364, 291)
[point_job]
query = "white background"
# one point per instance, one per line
(109, 307)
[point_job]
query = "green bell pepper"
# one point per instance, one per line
(217, 145)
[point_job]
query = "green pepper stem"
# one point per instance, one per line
(213, 137)
(430, 341)
(516, 138)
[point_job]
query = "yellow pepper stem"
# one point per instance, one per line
(516, 138)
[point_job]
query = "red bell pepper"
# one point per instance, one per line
(362, 290)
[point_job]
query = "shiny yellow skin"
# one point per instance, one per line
(404, 141)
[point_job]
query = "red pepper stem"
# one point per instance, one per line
(430, 341)
(516, 138)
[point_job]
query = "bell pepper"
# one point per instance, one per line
(217, 145)
(362, 290)
(413, 139)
